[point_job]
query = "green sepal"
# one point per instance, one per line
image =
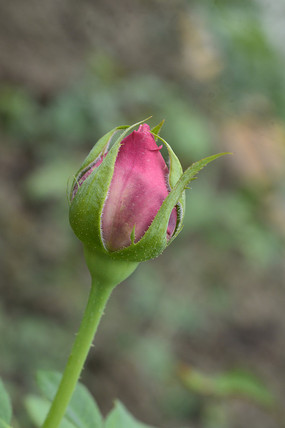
(190, 175)
(87, 205)
(154, 240)
(156, 130)
(175, 172)
(133, 234)
(99, 149)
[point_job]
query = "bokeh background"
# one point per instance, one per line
(196, 338)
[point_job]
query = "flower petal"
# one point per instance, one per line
(138, 188)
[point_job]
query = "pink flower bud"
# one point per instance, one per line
(138, 188)
(124, 201)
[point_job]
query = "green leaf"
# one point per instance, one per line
(5, 405)
(246, 385)
(38, 408)
(82, 411)
(119, 417)
(224, 385)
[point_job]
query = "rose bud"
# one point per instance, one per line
(125, 201)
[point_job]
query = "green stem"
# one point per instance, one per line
(97, 300)
(106, 273)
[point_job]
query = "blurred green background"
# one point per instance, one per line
(194, 339)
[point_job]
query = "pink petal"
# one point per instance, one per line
(138, 188)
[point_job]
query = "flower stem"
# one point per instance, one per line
(97, 300)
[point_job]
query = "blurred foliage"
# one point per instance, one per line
(215, 299)
(228, 384)
(82, 411)
(5, 406)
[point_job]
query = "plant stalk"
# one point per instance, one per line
(98, 297)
